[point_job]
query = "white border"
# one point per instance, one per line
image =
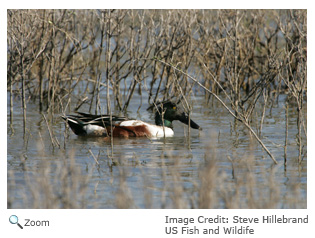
(148, 223)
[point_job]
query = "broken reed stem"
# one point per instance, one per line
(299, 137)
(54, 142)
(94, 157)
(107, 61)
(23, 89)
(265, 96)
(286, 132)
(11, 102)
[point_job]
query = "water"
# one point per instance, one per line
(220, 166)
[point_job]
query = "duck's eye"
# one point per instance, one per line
(174, 108)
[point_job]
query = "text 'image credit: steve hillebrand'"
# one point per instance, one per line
(240, 225)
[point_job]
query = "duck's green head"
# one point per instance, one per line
(169, 112)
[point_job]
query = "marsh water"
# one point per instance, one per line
(154, 173)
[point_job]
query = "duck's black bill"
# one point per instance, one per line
(184, 119)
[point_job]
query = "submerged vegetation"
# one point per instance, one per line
(62, 60)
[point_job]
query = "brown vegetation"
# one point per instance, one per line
(245, 59)
(240, 57)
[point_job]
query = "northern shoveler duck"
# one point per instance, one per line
(85, 124)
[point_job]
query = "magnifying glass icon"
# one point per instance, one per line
(14, 220)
